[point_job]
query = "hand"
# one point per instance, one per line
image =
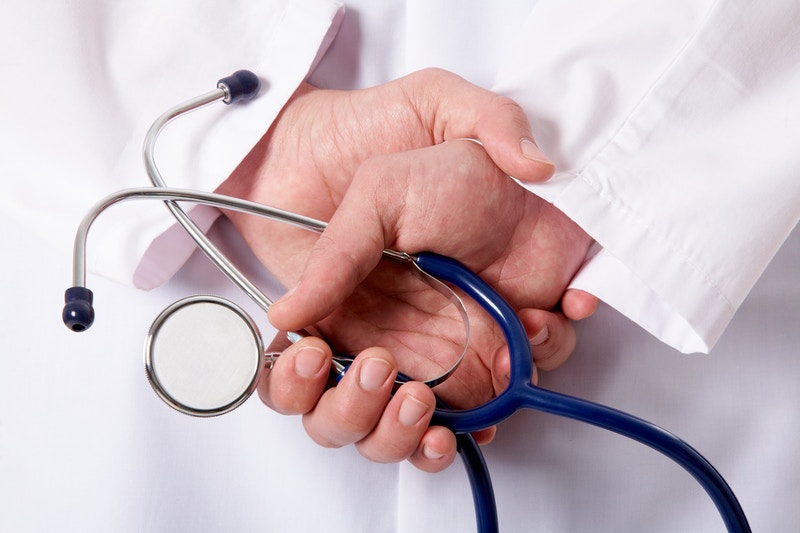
(309, 165)
(451, 199)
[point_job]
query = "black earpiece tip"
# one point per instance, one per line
(241, 85)
(78, 314)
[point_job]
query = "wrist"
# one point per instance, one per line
(249, 178)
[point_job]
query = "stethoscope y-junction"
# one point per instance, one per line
(204, 355)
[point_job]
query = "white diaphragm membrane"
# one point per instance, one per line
(204, 355)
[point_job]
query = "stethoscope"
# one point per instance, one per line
(204, 354)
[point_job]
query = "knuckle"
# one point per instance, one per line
(338, 425)
(286, 400)
(386, 450)
(510, 110)
(334, 436)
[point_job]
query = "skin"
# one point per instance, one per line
(374, 163)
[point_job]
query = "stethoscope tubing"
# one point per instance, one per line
(480, 483)
(480, 480)
(522, 393)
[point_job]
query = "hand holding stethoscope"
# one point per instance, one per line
(389, 310)
(170, 333)
(480, 212)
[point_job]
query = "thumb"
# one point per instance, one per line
(511, 146)
(347, 251)
(334, 269)
(464, 110)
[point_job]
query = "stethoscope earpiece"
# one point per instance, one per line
(78, 314)
(241, 85)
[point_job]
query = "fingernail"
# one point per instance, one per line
(411, 411)
(540, 338)
(309, 361)
(431, 454)
(373, 374)
(531, 151)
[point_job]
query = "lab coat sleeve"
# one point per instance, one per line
(288, 48)
(676, 143)
(90, 79)
(284, 51)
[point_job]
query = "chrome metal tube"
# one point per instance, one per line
(212, 252)
(171, 194)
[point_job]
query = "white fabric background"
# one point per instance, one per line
(86, 446)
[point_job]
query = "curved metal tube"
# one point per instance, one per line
(521, 393)
(173, 194)
(208, 248)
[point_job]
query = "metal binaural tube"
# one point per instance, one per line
(221, 93)
(171, 194)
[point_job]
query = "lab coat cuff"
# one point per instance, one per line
(637, 272)
(607, 278)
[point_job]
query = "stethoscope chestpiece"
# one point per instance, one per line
(203, 356)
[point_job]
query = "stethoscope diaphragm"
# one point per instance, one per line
(204, 355)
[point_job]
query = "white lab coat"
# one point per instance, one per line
(667, 121)
(84, 445)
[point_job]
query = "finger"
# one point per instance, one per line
(298, 377)
(501, 377)
(485, 436)
(348, 412)
(399, 432)
(506, 136)
(392, 201)
(577, 304)
(552, 339)
(460, 109)
(551, 336)
(346, 252)
(437, 450)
